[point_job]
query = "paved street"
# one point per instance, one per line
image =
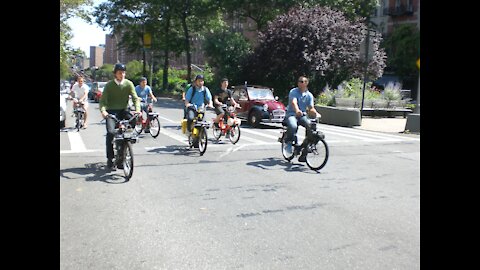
(239, 206)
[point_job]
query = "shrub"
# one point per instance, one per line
(326, 97)
(392, 91)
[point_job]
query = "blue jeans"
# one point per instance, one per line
(292, 123)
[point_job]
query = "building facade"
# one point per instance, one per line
(114, 54)
(96, 55)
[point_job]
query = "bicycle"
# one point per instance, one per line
(198, 138)
(79, 113)
(230, 127)
(122, 145)
(314, 143)
(152, 123)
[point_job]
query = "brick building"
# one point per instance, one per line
(96, 55)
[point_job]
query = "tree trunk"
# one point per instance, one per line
(187, 40)
(167, 52)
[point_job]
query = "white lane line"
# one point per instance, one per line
(260, 134)
(171, 121)
(369, 133)
(76, 142)
(84, 151)
(182, 139)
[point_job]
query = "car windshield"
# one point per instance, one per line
(259, 93)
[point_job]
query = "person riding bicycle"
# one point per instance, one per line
(144, 92)
(221, 97)
(80, 92)
(300, 101)
(197, 95)
(114, 101)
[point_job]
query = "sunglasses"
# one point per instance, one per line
(302, 81)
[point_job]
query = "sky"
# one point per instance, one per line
(86, 35)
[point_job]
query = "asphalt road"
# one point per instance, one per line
(239, 206)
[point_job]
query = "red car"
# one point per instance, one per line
(98, 90)
(258, 105)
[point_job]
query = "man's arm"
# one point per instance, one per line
(135, 98)
(103, 103)
(297, 110)
(188, 96)
(152, 96)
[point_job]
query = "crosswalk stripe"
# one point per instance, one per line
(76, 142)
(261, 134)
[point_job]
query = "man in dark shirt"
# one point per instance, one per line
(220, 97)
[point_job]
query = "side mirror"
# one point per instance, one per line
(276, 98)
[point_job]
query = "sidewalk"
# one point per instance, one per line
(390, 125)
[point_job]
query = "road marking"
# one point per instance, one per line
(261, 134)
(84, 151)
(76, 142)
(171, 121)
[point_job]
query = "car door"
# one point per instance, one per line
(240, 96)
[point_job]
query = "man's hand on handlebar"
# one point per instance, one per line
(104, 114)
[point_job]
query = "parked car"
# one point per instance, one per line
(91, 91)
(63, 109)
(381, 82)
(98, 86)
(258, 105)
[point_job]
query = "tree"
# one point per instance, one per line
(264, 11)
(69, 9)
(318, 42)
(403, 50)
(226, 51)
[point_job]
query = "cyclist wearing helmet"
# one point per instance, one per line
(114, 100)
(197, 95)
(300, 101)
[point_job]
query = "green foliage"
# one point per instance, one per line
(69, 9)
(326, 97)
(392, 91)
(317, 42)
(226, 51)
(403, 50)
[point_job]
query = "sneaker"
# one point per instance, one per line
(288, 148)
(302, 158)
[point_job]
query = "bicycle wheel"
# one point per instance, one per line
(202, 141)
(127, 160)
(286, 155)
(154, 127)
(77, 121)
(317, 155)
(217, 132)
(234, 134)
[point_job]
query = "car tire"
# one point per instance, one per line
(254, 118)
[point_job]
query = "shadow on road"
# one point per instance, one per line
(271, 163)
(183, 150)
(95, 172)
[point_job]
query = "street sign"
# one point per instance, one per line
(147, 40)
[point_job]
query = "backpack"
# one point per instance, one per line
(204, 95)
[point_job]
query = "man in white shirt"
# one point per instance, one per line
(80, 91)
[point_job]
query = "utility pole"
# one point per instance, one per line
(366, 64)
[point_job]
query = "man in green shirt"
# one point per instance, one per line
(114, 101)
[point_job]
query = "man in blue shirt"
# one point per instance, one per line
(197, 96)
(300, 101)
(143, 92)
